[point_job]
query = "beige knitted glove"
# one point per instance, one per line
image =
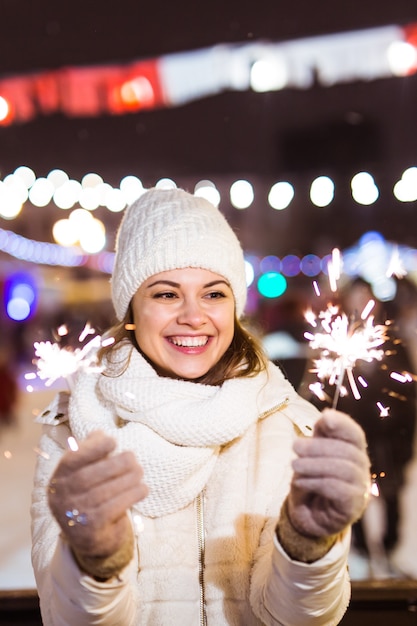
(330, 487)
(89, 495)
(104, 568)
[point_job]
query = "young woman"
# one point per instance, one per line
(204, 490)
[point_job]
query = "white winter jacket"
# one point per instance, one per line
(216, 561)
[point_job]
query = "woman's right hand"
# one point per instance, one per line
(89, 495)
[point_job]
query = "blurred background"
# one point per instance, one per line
(298, 119)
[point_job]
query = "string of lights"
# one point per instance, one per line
(78, 200)
(81, 238)
(174, 79)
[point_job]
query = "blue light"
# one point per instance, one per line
(270, 263)
(325, 263)
(371, 236)
(272, 285)
(18, 309)
(254, 261)
(310, 265)
(250, 273)
(290, 265)
(20, 296)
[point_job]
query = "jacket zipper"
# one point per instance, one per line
(201, 555)
(200, 527)
(275, 408)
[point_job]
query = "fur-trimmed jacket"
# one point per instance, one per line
(210, 555)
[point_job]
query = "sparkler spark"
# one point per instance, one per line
(383, 410)
(316, 288)
(72, 443)
(396, 266)
(402, 377)
(56, 362)
(334, 268)
(342, 343)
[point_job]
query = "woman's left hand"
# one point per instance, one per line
(331, 481)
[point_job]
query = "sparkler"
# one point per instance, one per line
(341, 341)
(55, 362)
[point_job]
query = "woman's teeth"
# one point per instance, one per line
(189, 342)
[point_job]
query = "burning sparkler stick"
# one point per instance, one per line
(55, 362)
(341, 341)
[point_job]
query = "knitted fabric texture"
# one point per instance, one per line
(175, 428)
(167, 229)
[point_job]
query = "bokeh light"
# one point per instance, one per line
(272, 285)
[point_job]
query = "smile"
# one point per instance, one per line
(189, 342)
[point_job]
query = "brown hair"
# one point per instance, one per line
(244, 357)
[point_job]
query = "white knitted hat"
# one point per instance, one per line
(168, 229)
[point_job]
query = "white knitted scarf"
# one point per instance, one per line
(176, 428)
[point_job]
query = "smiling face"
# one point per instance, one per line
(184, 321)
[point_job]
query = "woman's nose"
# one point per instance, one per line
(192, 313)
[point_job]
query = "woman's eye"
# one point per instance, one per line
(213, 295)
(165, 295)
